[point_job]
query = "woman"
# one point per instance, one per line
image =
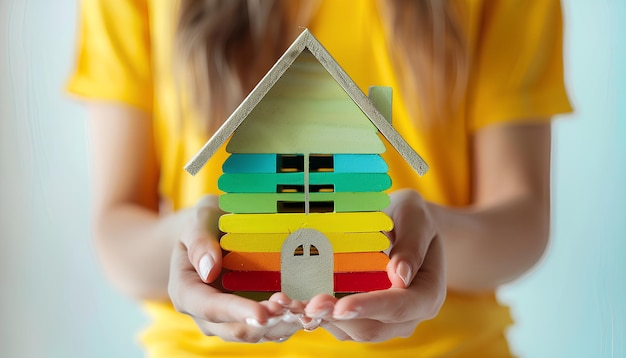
(476, 83)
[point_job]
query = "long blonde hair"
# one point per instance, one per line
(224, 47)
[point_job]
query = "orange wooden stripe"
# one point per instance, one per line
(270, 261)
(252, 261)
(360, 261)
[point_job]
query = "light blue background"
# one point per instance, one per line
(55, 302)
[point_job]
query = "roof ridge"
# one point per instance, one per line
(305, 40)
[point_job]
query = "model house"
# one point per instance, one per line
(305, 181)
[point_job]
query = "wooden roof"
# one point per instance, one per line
(306, 41)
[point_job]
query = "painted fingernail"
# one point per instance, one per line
(346, 315)
(253, 322)
(404, 271)
(206, 264)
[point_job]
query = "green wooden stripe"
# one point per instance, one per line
(381, 97)
(266, 203)
(256, 203)
(354, 202)
(267, 183)
(306, 111)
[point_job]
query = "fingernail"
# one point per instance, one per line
(253, 322)
(206, 264)
(346, 315)
(404, 271)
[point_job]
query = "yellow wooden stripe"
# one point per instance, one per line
(325, 222)
(341, 242)
(270, 261)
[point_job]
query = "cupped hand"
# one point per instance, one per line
(416, 271)
(194, 288)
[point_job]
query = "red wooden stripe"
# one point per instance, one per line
(269, 281)
(361, 281)
(266, 281)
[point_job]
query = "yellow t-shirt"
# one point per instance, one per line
(517, 74)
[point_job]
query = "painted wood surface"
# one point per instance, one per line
(287, 223)
(270, 261)
(360, 163)
(268, 202)
(270, 183)
(381, 97)
(269, 281)
(305, 42)
(250, 163)
(267, 163)
(306, 111)
(306, 265)
(272, 242)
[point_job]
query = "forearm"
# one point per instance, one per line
(134, 245)
(490, 245)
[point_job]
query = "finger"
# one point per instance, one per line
(232, 332)
(413, 231)
(193, 297)
(201, 241)
(281, 331)
(321, 306)
(294, 307)
(420, 301)
(362, 330)
(337, 332)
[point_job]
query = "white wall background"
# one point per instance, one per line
(54, 301)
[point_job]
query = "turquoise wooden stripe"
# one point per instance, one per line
(352, 182)
(250, 163)
(267, 183)
(266, 163)
(257, 183)
(266, 203)
(360, 163)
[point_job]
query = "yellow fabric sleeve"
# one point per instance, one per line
(113, 59)
(518, 69)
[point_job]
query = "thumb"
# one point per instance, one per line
(411, 237)
(201, 242)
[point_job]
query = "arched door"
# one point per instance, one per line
(306, 265)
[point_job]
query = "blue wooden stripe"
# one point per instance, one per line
(250, 163)
(360, 163)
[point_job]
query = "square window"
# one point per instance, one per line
(321, 163)
(289, 163)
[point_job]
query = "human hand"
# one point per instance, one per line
(416, 271)
(195, 289)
